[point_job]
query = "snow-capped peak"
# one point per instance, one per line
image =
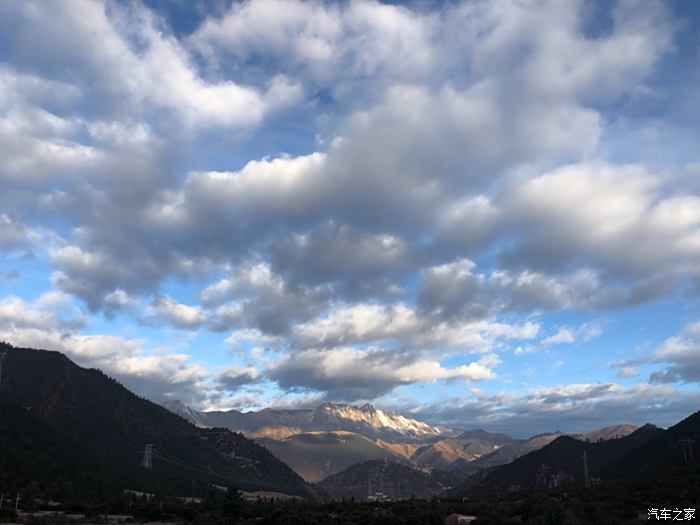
(370, 416)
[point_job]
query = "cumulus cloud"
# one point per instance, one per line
(327, 45)
(350, 374)
(564, 335)
(448, 184)
(392, 171)
(14, 234)
(53, 322)
(681, 356)
(234, 377)
(334, 252)
(333, 45)
(51, 309)
(568, 335)
(254, 297)
(613, 217)
(134, 62)
(628, 371)
(569, 408)
(401, 324)
(460, 289)
(175, 313)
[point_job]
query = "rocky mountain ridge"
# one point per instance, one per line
(367, 420)
(323, 441)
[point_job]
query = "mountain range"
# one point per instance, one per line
(324, 441)
(315, 455)
(75, 434)
(366, 420)
(648, 461)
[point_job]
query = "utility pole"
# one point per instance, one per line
(17, 502)
(586, 475)
(147, 462)
(2, 358)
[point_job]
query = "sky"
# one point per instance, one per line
(478, 214)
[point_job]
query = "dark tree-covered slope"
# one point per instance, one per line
(395, 480)
(561, 463)
(86, 417)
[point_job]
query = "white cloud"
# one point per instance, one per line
(613, 217)
(15, 235)
(564, 335)
(352, 374)
(135, 63)
(567, 335)
(52, 322)
(570, 408)
(175, 313)
(328, 45)
(681, 356)
(627, 372)
(446, 135)
(234, 377)
(372, 323)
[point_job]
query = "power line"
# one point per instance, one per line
(149, 453)
(204, 469)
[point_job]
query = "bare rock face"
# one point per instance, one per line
(367, 420)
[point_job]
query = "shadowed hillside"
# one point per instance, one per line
(393, 480)
(315, 455)
(560, 463)
(80, 415)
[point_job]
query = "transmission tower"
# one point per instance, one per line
(687, 445)
(586, 475)
(147, 462)
(2, 358)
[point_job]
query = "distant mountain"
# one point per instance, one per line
(496, 438)
(561, 462)
(663, 454)
(366, 420)
(509, 452)
(270, 422)
(381, 478)
(454, 453)
(62, 414)
(422, 444)
(405, 450)
(604, 434)
(315, 455)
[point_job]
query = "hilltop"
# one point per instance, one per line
(387, 480)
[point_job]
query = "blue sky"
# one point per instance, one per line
(483, 214)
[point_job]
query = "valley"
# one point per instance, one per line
(330, 443)
(78, 437)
